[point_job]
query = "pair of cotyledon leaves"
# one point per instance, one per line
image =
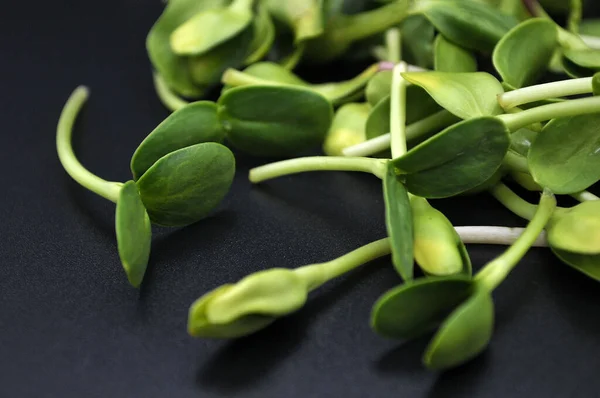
(182, 172)
(194, 42)
(459, 306)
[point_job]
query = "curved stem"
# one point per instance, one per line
(368, 23)
(318, 274)
(168, 98)
(515, 121)
(398, 114)
(516, 162)
(318, 163)
(513, 202)
(541, 92)
(437, 121)
(585, 196)
(498, 269)
(107, 189)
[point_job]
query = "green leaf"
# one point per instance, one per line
(304, 17)
(523, 55)
(438, 248)
(419, 306)
(417, 43)
(399, 224)
(199, 326)
(521, 141)
(379, 87)
(467, 95)
(347, 128)
(596, 84)
(463, 335)
(573, 70)
(184, 186)
(456, 160)
(206, 69)
(134, 233)
(590, 27)
(209, 28)
(274, 121)
(171, 67)
(419, 105)
(587, 264)
(274, 292)
(577, 229)
(588, 59)
(564, 156)
(193, 124)
(449, 57)
(470, 24)
(264, 35)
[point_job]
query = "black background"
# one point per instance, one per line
(71, 326)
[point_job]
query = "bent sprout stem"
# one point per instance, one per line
(415, 130)
(545, 91)
(169, 99)
(317, 163)
(513, 202)
(398, 113)
(318, 274)
(107, 189)
(516, 121)
(498, 269)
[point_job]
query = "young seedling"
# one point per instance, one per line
(420, 306)
(179, 177)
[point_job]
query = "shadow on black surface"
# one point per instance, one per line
(404, 358)
(570, 286)
(85, 202)
(181, 242)
(242, 364)
(461, 381)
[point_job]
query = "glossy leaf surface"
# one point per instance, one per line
(565, 156)
(459, 158)
(274, 121)
(134, 233)
(399, 223)
(193, 124)
(184, 186)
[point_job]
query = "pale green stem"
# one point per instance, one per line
(498, 269)
(398, 114)
(541, 92)
(107, 189)
(365, 24)
(316, 275)
(393, 45)
(585, 196)
(309, 24)
(235, 78)
(488, 235)
(437, 121)
(542, 113)
(513, 202)
(318, 163)
(169, 99)
(516, 162)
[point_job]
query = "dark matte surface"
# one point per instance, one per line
(71, 326)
